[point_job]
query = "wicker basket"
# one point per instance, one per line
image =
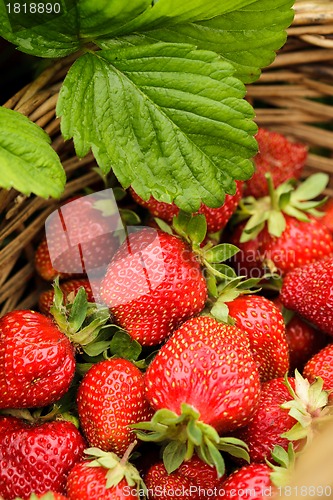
(293, 96)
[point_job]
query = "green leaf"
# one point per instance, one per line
(173, 455)
(220, 253)
(78, 310)
(96, 348)
(312, 187)
(197, 228)
(247, 35)
(168, 118)
(27, 161)
(124, 346)
(220, 311)
(44, 35)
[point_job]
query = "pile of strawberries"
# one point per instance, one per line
(174, 370)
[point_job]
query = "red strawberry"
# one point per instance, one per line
(327, 219)
(36, 458)
(216, 218)
(308, 291)
(299, 244)
(254, 478)
(321, 365)
(194, 367)
(36, 360)
(43, 264)
(262, 321)
(105, 478)
(269, 421)
(79, 239)
(153, 283)
(45, 300)
(203, 381)
(110, 398)
(289, 409)
(303, 340)
(250, 482)
(277, 155)
(193, 479)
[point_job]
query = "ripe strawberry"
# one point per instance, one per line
(262, 321)
(289, 409)
(203, 381)
(36, 458)
(43, 264)
(193, 479)
(250, 482)
(216, 218)
(193, 367)
(45, 300)
(105, 478)
(308, 291)
(277, 155)
(269, 420)
(303, 341)
(327, 219)
(300, 243)
(153, 283)
(110, 398)
(321, 365)
(36, 360)
(80, 238)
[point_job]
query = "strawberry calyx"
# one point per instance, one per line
(45, 496)
(117, 468)
(80, 320)
(309, 407)
(38, 416)
(183, 435)
(282, 473)
(295, 201)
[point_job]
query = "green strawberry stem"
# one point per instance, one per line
(183, 435)
(118, 468)
(309, 407)
(282, 473)
(287, 199)
(80, 320)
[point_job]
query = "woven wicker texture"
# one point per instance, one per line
(294, 96)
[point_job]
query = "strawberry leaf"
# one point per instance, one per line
(246, 35)
(28, 162)
(168, 118)
(124, 346)
(173, 455)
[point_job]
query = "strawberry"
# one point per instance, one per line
(194, 479)
(45, 300)
(49, 495)
(269, 420)
(216, 218)
(303, 340)
(284, 227)
(308, 291)
(36, 360)
(153, 283)
(110, 398)
(321, 365)
(300, 243)
(36, 458)
(254, 478)
(205, 380)
(80, 238)
(289, 409)
(278, 156)
(262, 321)
(105, 478)
(327, 219)
(43, 264)
(260, 481)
